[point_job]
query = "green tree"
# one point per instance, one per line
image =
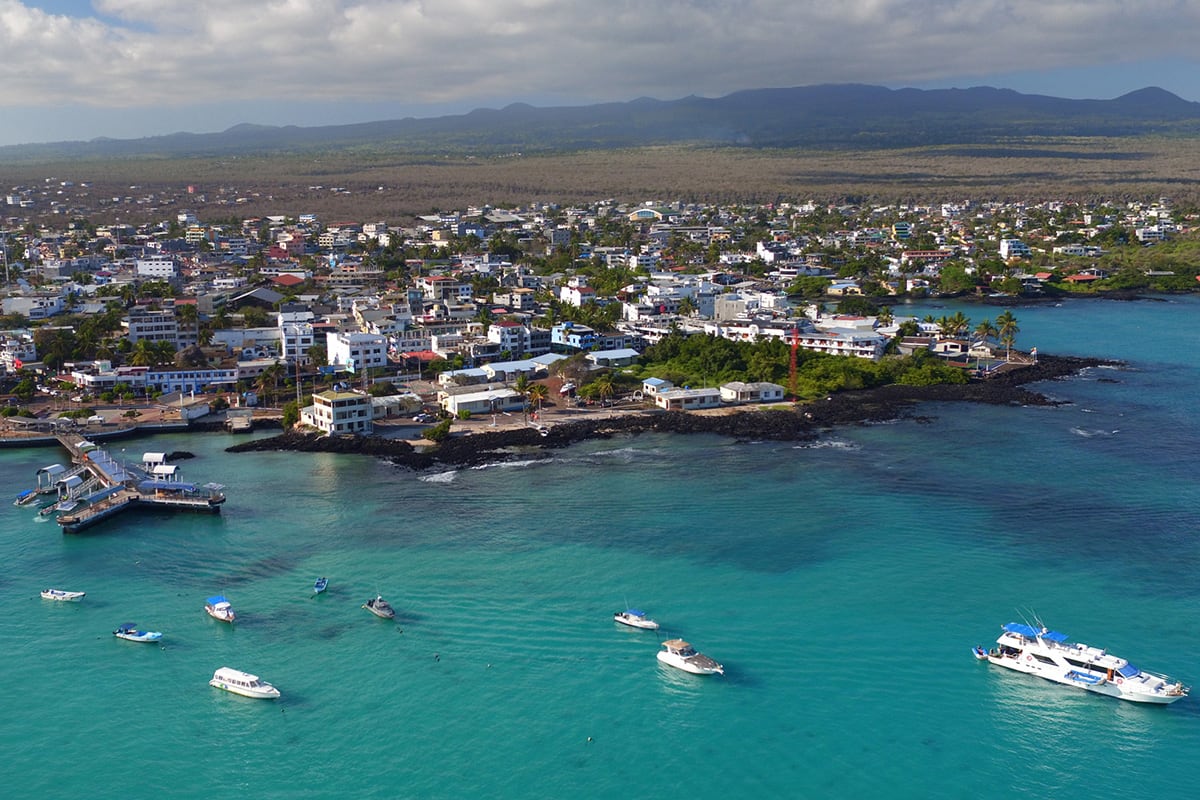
(1006, 324)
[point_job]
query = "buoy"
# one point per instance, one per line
(589, 738)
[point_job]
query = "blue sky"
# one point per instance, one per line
(81, 69)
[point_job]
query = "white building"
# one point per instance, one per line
(339, 412)
(162, 268)
(296, 339)
(34, 305)
(152, 326)
(484, 402)
(758, 392)
(356, 351)
(688, 399)
(1014, 248)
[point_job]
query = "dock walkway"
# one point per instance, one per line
(121, 489)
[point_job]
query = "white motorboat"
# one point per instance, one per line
(220, 608)
(129, 632)
(1047, 654)
(379, 607)
(681, 655)
(62, 595)
(243, 683)
(635, 618)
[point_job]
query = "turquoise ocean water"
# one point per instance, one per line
(842, 584)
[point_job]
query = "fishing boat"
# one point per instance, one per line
(379, 607)
(220, 608)
(26, 497)
(320, 585)
(635, 618)
(62, 595)
(1037, 650)
(243, 683)
(130, 633)
(681, 655)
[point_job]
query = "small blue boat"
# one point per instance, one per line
(320, 585)
(130, 632)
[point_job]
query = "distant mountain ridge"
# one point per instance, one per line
(824, 116)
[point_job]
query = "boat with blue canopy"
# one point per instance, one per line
(320, 585)
(218, 607)
(1037, 650)
(635, 618)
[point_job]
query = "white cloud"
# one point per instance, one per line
(142, 53)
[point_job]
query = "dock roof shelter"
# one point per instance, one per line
(110, 470)
(165, 472)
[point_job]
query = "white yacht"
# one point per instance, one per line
(1047, 654)
(635, 618)
(62, 595)
(380, 608)
(243, 683)
(681, 655)
(218, 607)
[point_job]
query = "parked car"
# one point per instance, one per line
(424, 418)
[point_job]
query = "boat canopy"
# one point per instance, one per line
(1033, 633)
(216, 599)
(69, 482)
(127, 627)
(1129, 671)
(635, 612)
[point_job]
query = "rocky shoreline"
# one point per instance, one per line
(800, 423)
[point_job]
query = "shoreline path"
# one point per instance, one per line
(478, 441)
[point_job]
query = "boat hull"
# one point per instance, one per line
(257, 694)
(1101, 686)
(689, 664)
(146, 636)
(62, 596)
(635, 622)
(243, 683)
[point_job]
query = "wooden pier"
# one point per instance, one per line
(123, 490)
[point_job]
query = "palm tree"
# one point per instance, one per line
(269, 379)
(537, 394)
(604, 386)
(884, 317)
(1006, 324)
(960, 322)
(986, 330)
(143, 353)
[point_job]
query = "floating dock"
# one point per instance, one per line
(121, 488)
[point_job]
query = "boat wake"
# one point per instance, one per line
(440, 477)
(829, 444)
(1088, 434)
(530, 462)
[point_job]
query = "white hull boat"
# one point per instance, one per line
(380, 608)
(635, 618)
(243, 683)
(1047, 654)
(681, 655)
(219, 608)
(130, 633)
(62, 595)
